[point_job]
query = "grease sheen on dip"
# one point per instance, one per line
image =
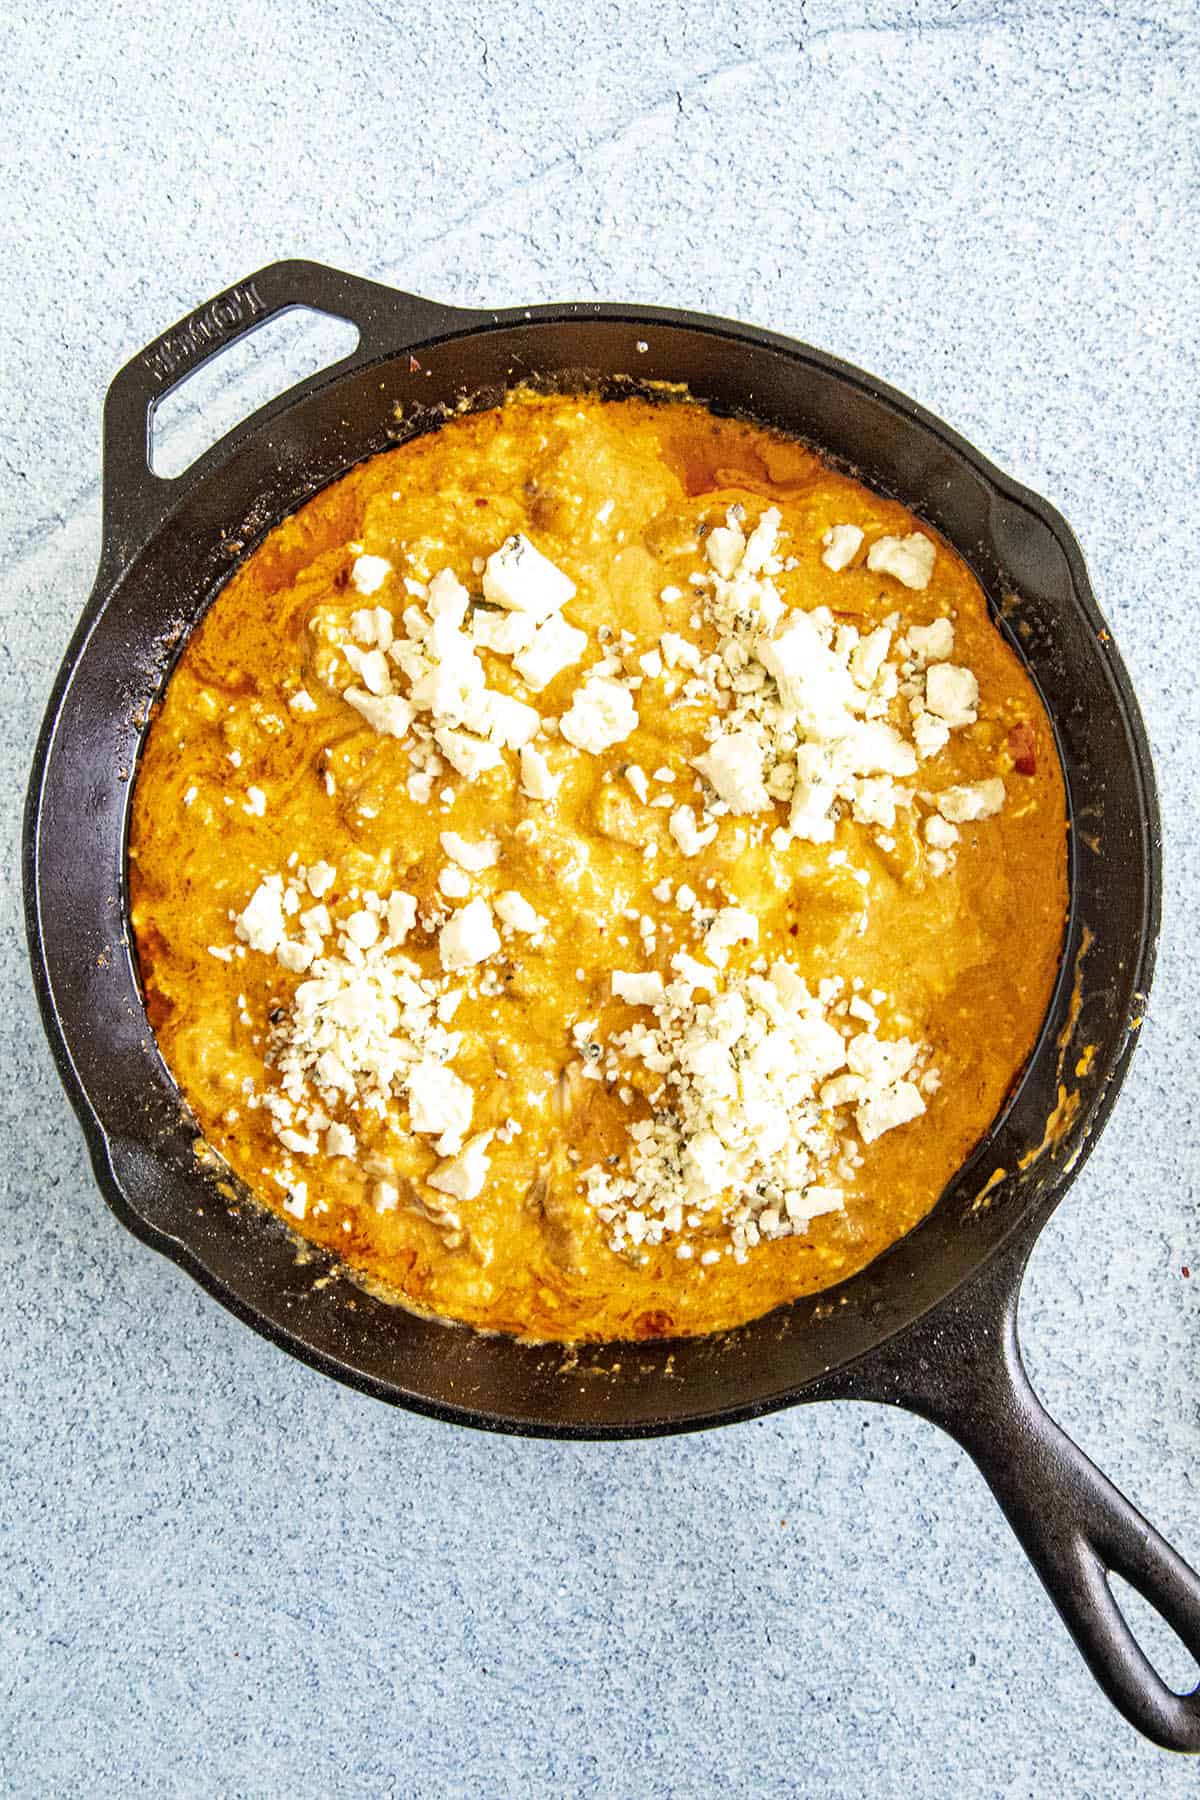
(265, 798)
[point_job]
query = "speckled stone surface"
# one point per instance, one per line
(223, 1575)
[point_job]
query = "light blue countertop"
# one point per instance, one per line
(221, 1574)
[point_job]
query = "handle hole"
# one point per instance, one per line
(286, 349)
(1160, 1642)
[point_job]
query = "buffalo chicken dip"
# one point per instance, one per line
(598, 870)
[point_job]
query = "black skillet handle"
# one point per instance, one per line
(962, 1369)
(136, 499)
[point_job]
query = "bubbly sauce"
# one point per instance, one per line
(257, 767)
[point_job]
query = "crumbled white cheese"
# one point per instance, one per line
(472, 723)
(468, 756)
(388, 714)
(931, 643)
(686, 831)
(732, 925)
(895, 1106)
(502, 632)
(369, 573)
(371, 667)
(693, 973)
(940, 833)
(749, 1071)
(513, 910)
(880, 1063)
(401, 915)
(952, 694)
(517, 576)
(472, 857)
(979, 800)
(909, 559)
(601, 714)
(842, 544)
(724, 546)
(440, 1105)
(261, 922)
(868, 656)
(302, 702)
(362, 928)
(930, 735)
(803, 702)
(814, 682)
(447, 599)
(873, 800)
(294, 957)
(754, 1089)
(759, 555)
(340, 1141)
(507, 722)
(464, 1177)
(679, 652)
(811, 816)
(554, 647)
(316, 923)
(255, 802)
(638, 990)
(449, 681)
(360, 1028)
(372, 625)
(734, 767)
(536, 778)
(321, 877)
(469, 937)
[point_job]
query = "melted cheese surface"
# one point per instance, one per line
(238, 784)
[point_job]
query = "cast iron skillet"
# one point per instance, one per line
(931, 1325)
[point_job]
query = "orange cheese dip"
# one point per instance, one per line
(598, 870)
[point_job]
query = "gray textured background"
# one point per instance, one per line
(220, 1574)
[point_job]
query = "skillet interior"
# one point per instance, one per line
(148, 599)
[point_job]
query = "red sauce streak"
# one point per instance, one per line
(1022, 747)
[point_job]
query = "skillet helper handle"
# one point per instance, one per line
(136, 500)
(962, 1369)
